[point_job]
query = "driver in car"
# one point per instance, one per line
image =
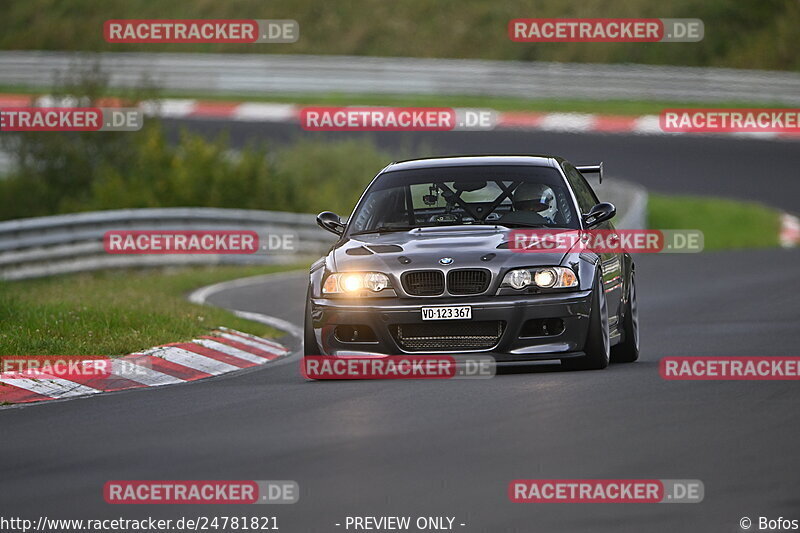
(534, 204)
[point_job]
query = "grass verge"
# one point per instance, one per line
(115, 312)
(544, 105)
(726, 224)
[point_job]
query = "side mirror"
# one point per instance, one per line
(599, 213)
(331, 222)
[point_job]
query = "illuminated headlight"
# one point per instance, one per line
(546, 278)
(353, 282)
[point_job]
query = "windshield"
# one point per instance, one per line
(524, 196)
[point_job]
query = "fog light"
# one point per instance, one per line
(357, 333)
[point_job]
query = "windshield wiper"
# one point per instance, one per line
(523, 225)
(383, 229)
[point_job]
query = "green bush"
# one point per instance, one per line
(327, 177)
(64, 173)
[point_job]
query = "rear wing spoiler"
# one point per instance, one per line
(592, 169)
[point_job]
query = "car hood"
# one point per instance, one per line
(422, 248)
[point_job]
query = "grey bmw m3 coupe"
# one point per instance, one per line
(424, 265)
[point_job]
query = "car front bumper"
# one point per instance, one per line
(570, 309)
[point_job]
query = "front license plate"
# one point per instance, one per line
(452, 312)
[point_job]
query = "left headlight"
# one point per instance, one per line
(543, 277)
(354, 282)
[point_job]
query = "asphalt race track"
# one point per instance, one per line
(450, 448)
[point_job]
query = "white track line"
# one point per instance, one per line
(275, 322)
(259, 341)
(203, 293)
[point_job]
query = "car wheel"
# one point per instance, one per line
(627, 351)
(310, 346)
(597, 339)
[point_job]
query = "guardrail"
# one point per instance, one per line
(272, 73)
(62, 244)
(43, 246)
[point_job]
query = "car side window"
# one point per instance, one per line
(383, 207)
(583, 192)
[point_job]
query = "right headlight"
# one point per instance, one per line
(355, 282)
(543, 277)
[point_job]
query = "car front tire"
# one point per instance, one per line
(310, 346)
(597, 347)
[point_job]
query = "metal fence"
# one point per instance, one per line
(43, 246)
(261, 74)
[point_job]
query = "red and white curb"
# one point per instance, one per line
(790, 231)
(224, 350)
(290, 113)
